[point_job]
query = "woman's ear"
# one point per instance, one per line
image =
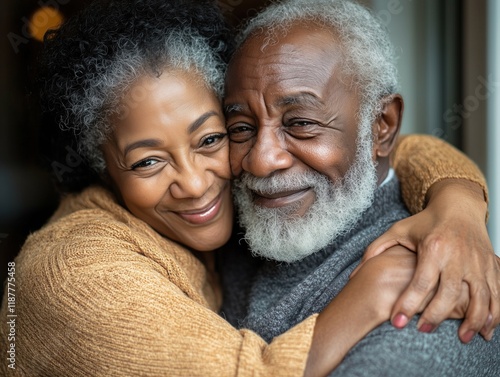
(387, 125)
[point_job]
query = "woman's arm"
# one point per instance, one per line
(363, 304)
(421, 161)
(449, 235)
(96, 305)
(101, 314)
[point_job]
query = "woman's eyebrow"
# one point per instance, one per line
(146, 143)
(198, 122)
(152, 143)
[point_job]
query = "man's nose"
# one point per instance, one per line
(268, 154)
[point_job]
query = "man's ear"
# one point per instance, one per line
(387, 125)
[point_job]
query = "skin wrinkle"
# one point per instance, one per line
(186, 177)
(301, 126)
(367, 54)
(88, 103)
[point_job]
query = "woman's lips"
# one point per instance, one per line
(201, 216)
(281, 199)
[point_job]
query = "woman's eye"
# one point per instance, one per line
(212, 139)
(146, 163)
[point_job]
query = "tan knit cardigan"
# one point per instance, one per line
(100, 293)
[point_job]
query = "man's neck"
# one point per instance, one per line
(387, 177)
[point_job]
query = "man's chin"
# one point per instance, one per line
(285, 257)
(282, 234)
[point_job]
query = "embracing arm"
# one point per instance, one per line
(123, 316)
(363, 304)
(421, 161)
(449, 235)
(119, 312)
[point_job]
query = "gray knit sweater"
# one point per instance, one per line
(270, 298)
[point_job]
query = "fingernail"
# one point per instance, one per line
(490, 335)
(486, 328)
(468, 336)
(489, 321)
(400, 321)
(427, 328)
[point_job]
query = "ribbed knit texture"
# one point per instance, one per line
(280, 295)
(272, 297)
(99, 293)
(422, 160)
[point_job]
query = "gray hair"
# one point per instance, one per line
(92, 60)
(369, 56)
(94, 108)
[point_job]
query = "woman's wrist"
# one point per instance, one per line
(357, 309)
(458, 193)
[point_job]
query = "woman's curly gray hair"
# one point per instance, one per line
(90, 61)
(369, 57)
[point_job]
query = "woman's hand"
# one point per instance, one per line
(454, 250)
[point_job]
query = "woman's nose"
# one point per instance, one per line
(192, 180)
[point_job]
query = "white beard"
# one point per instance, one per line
(274, 233)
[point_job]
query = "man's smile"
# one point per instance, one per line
(281, 199)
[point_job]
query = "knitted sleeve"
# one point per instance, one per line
(422, 160)
(88, 309)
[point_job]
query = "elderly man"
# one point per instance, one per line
(313, 114)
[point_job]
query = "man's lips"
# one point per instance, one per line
(280, 199)
(202, 215)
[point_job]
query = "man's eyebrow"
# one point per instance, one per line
(233, 108)
(300, 98)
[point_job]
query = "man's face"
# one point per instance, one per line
(292, 121)
(289, 109)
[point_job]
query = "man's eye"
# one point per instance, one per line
(301, 123)
(301, 128)
(146, 163)
(240, 133)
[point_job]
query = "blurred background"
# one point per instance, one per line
(449, 62)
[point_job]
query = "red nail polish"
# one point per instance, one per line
(400, 321)
(468, 336)
(427, 328)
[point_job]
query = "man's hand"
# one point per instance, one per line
(454, 250)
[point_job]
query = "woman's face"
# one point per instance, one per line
(168, 160)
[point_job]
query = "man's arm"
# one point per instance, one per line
(449, 235)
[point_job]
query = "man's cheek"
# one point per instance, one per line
(236, 156)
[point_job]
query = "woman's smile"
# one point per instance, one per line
(168, 159)
(203, 214)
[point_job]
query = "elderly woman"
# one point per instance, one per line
(121, 281)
